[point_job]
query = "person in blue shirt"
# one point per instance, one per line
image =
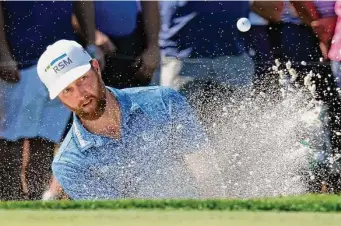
(125, 143)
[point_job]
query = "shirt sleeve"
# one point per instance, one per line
(78, 184)
(187, 132)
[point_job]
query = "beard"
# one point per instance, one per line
(96, 112)
(98, 102)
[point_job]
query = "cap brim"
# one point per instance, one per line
(66, 79)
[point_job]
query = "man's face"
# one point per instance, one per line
(86, 96)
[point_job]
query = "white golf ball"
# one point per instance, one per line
(243, 24)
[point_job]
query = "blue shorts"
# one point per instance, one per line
(28, 112)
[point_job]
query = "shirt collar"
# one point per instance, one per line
(85, 139)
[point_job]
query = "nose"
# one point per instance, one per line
(81, 93)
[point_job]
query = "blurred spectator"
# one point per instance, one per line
(335, 50)
(258, 41)
(334, 55)
(300, 41)
(202, 51)
(306, 33)
(128, 35)
(26, 28)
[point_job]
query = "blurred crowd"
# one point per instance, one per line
(194, 47)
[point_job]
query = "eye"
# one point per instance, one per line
(83, 78)
(67, 90)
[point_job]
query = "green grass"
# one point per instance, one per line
(164, 218)
(310, 210)
(307, 203)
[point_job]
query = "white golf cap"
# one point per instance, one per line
(61, 64)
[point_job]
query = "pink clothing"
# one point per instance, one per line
(334, 52)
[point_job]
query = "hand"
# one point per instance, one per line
(324, 50)
(9, 71)
(324, 28)
(103, 41)
(149, 61)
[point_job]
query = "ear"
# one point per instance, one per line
(96, 66)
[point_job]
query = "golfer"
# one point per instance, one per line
(130, 143)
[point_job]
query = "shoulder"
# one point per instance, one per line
(153, 92)
(153, 95)
(143, 90)
(156, 101)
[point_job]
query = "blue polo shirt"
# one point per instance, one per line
(201, 29)
(31, 26)
(158, 129)
(116, 18)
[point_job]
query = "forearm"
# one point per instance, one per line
(151, 21)
(85, 20)
(5, 53)
(306, 10)
(270, 11)
(76, 27)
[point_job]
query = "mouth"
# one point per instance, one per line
(87, 102)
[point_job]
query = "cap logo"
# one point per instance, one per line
(61, 65)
